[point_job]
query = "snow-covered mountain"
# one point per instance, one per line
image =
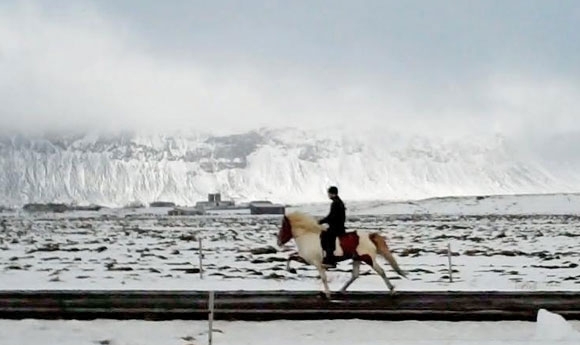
(285, 165)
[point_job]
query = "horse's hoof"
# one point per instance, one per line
(325, 295)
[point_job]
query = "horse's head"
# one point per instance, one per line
(285, 233)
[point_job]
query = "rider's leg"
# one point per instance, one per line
(330, 259)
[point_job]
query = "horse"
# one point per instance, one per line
(358, 246)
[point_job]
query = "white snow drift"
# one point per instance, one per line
(337, 332)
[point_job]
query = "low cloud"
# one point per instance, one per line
(81, 70)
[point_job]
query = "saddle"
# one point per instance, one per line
(348, 242)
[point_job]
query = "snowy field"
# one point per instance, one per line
(536, 246)
(533, 204)
(549, 329)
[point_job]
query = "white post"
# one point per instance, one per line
(449, 259)
(211, 308)
(200, 258)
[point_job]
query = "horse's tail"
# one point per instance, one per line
(383, 249)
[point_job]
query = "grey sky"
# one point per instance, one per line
(427, 66)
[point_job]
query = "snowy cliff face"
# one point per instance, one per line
(283, 165)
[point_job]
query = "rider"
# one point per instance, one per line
(335, 221)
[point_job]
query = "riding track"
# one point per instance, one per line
(276, 305)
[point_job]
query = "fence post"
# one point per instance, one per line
(200, 257)
(210, 316)
(450, 265)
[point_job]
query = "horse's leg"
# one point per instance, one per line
(322, 272)
(355, 274)
(381, 272)
(293, 257)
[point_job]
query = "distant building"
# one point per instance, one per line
(266, 207)
(162, 204)
(87, 208)
(214, 201)
(215, 198)
(50, 207)
(261, 202)
(186, 211)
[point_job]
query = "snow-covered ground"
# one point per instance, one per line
(545, 204)
(549, 329)
(145, 249)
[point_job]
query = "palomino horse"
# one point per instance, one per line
(360, 246)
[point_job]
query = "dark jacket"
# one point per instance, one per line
(336, 217)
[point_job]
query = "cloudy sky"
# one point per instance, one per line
(511, 67)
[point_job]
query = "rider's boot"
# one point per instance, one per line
(329, 260)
